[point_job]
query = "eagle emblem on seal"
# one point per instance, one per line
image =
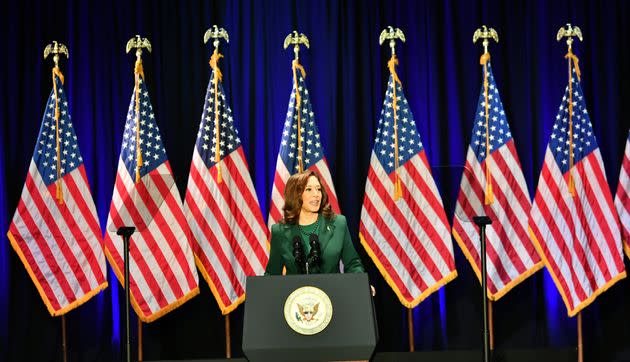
(307, 312)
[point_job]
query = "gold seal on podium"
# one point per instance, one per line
(308, 310)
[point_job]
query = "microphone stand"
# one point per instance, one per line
(314, 255)
(298, 254)
(482, 221)
(126, 232)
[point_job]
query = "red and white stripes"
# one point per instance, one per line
(227, 224)
(622, 198)
(578, 236)
(408, 239)
(511, 256)
(60, 243)
(162, 269)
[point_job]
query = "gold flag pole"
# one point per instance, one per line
(491, 324)
(297, 39)
(570, 32)
(228, 338)
(486, 34)
(64, 341)
(392, 34)
(57, 48)
(140, 354)
(580, 342)
(138, 43)
(412, 344)
(217, 33)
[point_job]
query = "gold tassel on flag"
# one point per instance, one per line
(391, 64)
(573, 62)
(392, 34)
(57, 72)
(139, 72)
(216, 33)
(214, 64)
(489, 195)
(486, 33)
(138, 43)
(295, 65)
(297, 39)
(56, 49)
(572, 59)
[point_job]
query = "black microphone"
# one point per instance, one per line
(298, 253)
(314, 257)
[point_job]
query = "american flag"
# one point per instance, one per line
(58, 237)
(224, 215)
(161, 262)
(510, 254)
(575, 229)
(408, 239)
(309, 150)
(622, 199)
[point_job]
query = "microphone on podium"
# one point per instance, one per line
(314, 257)
(298, 253)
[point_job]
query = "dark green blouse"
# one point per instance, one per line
(335, 245)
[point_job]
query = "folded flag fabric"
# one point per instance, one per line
(573, 222)
(622, 198)
(55, 229)
(161, 262)
(221, 204)
(403, 225)
(493, 185)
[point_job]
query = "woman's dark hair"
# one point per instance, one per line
(293, 197)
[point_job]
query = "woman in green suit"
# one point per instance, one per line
(310, 232)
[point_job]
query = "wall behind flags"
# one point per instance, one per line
(346, 75)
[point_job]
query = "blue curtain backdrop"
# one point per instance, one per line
(346, 76)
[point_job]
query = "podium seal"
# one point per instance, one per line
(308, 310)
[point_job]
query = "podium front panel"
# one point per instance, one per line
(350, 335)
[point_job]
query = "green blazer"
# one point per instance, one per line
(335, 244)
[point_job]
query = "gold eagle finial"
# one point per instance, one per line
(296, 39)
(485, 33)
(391, 34)
(56, 48)
(216, 33)
(569, 32)
(138, 43)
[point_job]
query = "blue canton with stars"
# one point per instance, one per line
(499, 129)
(409, 142)
(45, 154)
(228, 134)
(153, 152)
(584, 141)
(312, 150)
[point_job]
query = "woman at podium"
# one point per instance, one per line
(311, 238)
